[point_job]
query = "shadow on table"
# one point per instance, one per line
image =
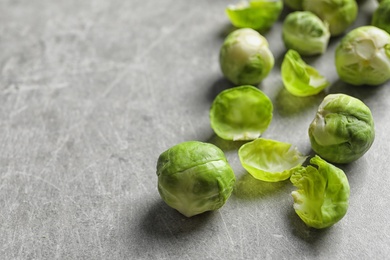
(247, 187)
(305, 233)
(165, 222)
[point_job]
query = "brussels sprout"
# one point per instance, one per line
(381, 16)
(363, 56)
(343, 129)
(270, 160)
(339, 14)
(294, 4)
(256, 14)
(304, 32)
(241, 113)
(245, 57)
(194, 177)
(322, 197)
(299, 78)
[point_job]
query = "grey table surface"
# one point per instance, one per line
(91, 92)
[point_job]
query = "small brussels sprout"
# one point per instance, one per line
(339, 14)
(270, 160)
(294, 4)
(323, 192)
(245, 57)
(241, 113)
(304, 32)
(299, 78)
(363, 56)
(256, 14)
(194, 177)
(381, 16)
(343, 129)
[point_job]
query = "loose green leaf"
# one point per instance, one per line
(322, 195)
(241, 113)
(270, 160)
(299, 78)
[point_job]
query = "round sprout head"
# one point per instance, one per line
(256, 14)
(339, 14)
(305, 33)
(322, 197)
(270, 160)
(241, 113)
(245, 57)
(194, 177)
(363, 56)
(343, 129)
(381, 16)
(299, 78)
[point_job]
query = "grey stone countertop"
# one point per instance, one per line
(91, 92)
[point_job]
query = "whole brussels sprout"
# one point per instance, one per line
(339, 14)
(194, 177)
(322, 198)
(304, 32)
(363, 56)
(256, 14)
(381, 16)
(343, 129)
(245, 58)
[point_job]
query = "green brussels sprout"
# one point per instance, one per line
(304, 32)
(194, 177)
(299, 78)
(343, 129)
(363, 56)
(381, 16)
(339, 14)
(240, 113)
(322, 197)
(245, 57)
(256, 14)
(294, 4)
(270, 160)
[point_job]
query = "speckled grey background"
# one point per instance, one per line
(91, 92)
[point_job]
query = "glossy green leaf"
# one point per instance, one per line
(299, 78)
(256, 14)
(241, 113)
(270, 160)
(322, 195)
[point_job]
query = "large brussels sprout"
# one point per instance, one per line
(323, 192)
(381, 16)
(270, 160)
(245, 57)
(363, 56)
(343, 129)
(339, 14)
(299, 78)
(194, 177)
(304, 32)
(256, 14)
(241, 113)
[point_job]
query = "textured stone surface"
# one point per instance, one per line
(91, 92)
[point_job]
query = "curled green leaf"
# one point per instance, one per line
(270, 160)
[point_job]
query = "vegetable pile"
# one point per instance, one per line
(194, 177)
